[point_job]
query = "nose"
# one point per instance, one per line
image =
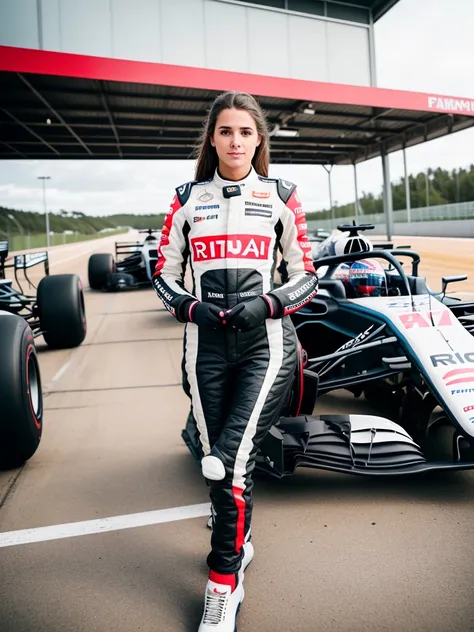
(235, 140)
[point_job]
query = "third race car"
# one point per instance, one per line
(132, 267)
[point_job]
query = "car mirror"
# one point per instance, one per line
(452, 279)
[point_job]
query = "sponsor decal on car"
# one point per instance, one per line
(462, 391)
(445, 359)
(438, 318)
(405, 304)
(355, 341)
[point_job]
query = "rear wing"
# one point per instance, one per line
(3, 257)
(127, 248)
(22, 262)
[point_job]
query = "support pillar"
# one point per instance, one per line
(357, 209)
(407, 186)
(387, 195)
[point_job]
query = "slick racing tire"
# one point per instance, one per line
(439, 442)
(99, 268)
(61, 311)
(20, 393)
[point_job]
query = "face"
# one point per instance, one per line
(235, 139)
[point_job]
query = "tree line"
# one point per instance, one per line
(444, 187)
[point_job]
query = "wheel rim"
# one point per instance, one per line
(82, 306)
(34, 385)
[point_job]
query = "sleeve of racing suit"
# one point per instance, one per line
(302, 284)
(168, 278)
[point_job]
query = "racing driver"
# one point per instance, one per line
(240, 344)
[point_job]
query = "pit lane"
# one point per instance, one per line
(333, 552)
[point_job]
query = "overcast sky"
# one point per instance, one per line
(420, 49)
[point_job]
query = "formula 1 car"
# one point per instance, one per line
(57, 313)
(409, 345)
(132, 271)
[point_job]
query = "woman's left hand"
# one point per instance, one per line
(249, 315)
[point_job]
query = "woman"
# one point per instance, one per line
(240, 344)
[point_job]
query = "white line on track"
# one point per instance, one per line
(61, 371)
(102, 525)
(58, 375)
(60, 262)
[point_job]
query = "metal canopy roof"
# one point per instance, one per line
(379, 7)
(106, 108)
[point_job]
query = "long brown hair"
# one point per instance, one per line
(207, 160)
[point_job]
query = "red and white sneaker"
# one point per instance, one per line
(221, 606)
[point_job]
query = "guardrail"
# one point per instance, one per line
(443, 212)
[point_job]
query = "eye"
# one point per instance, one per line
(247, 132)
(224, 132)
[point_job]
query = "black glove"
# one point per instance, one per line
(206, 315)
(249, 315)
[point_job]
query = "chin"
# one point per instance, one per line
(236, 164)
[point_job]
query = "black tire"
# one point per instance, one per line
(61, 311)
(21, 402)
(99, 268)
(439, 442)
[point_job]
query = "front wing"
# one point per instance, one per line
(351, 444)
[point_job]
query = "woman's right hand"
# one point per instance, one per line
(206, 315)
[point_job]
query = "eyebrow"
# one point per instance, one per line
(229, 127)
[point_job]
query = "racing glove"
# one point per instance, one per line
(249, 315)
(205, 314)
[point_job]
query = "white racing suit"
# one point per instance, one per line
(229, 233)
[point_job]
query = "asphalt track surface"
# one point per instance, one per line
(333, 552)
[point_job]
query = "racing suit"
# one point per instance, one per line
(238, 381)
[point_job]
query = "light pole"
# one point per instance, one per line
(330, 194)
(43, 178)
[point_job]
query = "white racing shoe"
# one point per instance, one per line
(221, 607)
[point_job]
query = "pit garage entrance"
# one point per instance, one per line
(67, 106)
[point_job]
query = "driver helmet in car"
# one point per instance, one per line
(367, 278)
